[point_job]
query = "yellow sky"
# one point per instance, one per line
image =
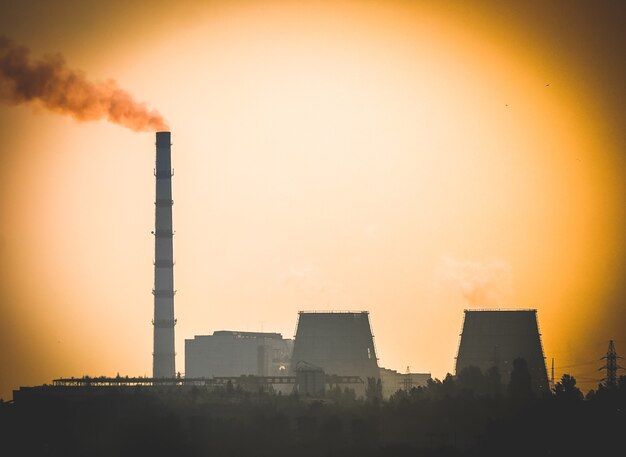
(390, 157)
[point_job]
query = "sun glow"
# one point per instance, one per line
(326, 155)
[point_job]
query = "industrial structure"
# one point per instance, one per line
(310, 380)
(101, 386)
(340, 343)
(495, 338)
(230, 353)
(331, 348)
(611, 366)
(394, 381)
(163, 357)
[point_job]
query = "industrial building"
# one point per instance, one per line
(230, 353)
(497, 337)
(340, 343)
(393, 381)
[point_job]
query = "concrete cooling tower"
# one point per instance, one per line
(496, 338)
(341, 343)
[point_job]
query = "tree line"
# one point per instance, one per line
(471, 414)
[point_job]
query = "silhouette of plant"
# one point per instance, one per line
(566, 389)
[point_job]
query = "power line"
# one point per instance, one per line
(578, 364)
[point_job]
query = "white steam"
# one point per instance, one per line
(482, 283)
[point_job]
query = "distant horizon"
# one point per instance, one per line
(292, 338)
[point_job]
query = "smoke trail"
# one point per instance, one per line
(481, 283)
(60, 89)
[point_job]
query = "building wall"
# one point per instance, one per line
(496, 338)
(394, 381)
(228, 353)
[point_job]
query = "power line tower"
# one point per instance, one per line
(611, 366)
(408, 381)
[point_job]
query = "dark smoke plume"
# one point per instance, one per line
(51, 83)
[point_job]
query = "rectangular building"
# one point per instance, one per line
(394, 381)
(232, 353)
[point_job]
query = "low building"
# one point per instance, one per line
(230, 353)
(393, 381)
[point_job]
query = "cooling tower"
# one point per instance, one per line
(496, 338)
(163, 364)
(341, 343)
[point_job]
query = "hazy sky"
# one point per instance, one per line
(412, 159)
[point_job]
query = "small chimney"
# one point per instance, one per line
(164, 351)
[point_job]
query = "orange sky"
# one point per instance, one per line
(396, 157)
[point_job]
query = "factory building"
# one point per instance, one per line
(230, 353)
(497, 337)
(340, 343)
(394, 381)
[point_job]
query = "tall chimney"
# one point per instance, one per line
(163, 365)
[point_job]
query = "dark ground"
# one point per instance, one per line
(444, 419)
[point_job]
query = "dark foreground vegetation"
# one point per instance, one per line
(465, 416)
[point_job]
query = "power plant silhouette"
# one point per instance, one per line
(340, 344)
(333, 343)
(329, 349)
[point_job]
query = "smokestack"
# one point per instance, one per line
(164, 352)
